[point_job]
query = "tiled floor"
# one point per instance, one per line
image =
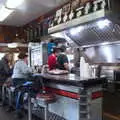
(8, 116)
(4, 115)
(111, 106)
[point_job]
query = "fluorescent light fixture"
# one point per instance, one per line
(4, 13)
(103, 23)
(75, 31)
(12, 45)
(13, 3)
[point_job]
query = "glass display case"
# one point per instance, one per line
(37, 54)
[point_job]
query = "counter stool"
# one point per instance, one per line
(2, 91)
(7, 92)
(44, 100)
(10, 91)
(27, 87)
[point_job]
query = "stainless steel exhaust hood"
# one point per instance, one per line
(98, 27)
(96, 32)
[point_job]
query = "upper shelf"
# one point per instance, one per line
(75, 22)
(110, 10)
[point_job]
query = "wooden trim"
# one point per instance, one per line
(111, 116)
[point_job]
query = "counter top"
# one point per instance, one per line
(71, 79)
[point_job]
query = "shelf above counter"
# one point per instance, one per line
(77, 21)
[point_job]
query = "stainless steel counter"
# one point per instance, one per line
(70, 79)
(77, 98)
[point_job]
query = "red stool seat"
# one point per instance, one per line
(46, 97)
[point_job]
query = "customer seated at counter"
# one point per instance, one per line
(52, 59)
(5, 70)
(62, 59)
(20, 74)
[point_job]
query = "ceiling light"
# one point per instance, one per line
(4, 13)
(12, 45)
(103, 23)
(75, 31)
(13, 3)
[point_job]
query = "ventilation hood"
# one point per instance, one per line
(102, 26)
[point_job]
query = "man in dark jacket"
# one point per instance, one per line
(4, 68)
(62, 59)
(5, 72)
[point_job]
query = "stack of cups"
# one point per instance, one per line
(84, 68)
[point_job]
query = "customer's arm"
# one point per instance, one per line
(26, 69)
(66, 66)
(66, 63)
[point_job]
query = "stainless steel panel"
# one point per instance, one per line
(69, 88)
(104, 54)
(92, 34)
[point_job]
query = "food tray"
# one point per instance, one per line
(58, 72)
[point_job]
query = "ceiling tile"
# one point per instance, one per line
(30, 10)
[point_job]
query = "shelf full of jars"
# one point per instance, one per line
(72, 10)
(36, 30)
(76, 9)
